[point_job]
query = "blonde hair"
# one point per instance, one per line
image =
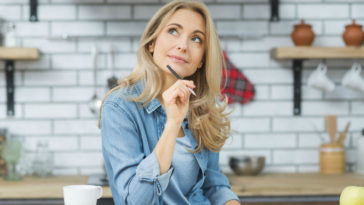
(207, 119)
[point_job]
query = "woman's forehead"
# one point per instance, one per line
(188, 19)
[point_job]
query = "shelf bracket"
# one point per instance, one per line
(297, 78)
(9, 75)
(274, 10)
(33, 10)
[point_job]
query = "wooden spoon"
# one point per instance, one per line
(331, 127)
(343, 133)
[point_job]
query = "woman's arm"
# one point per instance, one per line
(216, 185)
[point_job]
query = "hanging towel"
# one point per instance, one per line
(238, 87)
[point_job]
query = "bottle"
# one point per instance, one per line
(10, 36)
(360, 154)
(43, 161)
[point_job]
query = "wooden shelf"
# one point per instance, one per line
(308, 52)
(18, 53)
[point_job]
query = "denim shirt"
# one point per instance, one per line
(129, 134)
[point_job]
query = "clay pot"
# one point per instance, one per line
(302, 34)
(353, 34)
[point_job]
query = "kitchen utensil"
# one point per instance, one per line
(81, 194)
(302, 34)
(332, 158)
(11, 152)
(113, 80)
(353, 34)
(343, 133)
(331, 123)
(247, 165)
(95, 102)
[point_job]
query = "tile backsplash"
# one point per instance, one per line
(52, 94)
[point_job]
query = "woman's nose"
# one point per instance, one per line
(182, 44)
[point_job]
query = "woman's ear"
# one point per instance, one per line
(151, 47)
(200, 65)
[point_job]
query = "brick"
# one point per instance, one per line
(271, 76)
(336, 27)
(356, 123)
(268, 109)
(308, 168)
(27, 127)
(50, 78)
(264, 44)
(287, 11)
(343, 93)
(52, 12)
(279, 169)
(270, 141)
(133, 1)
(77, 1)
(297, 124)
(87, 78)
(261, 92)
(357, 10)
(32, 94)
(224, 11)
(27, 29)
(329, 41)
(250, 124)
(312, 140)
(79, 159)
(103, 45)
(104, 12)
(55, 143)
(125, 28)
(43, 63)
(77, 28)
(285, 92)
(72, 94)
(325, 108)
(242, 28)
(295, 156)
(256, 11)
(234, 141)
(65, 171)
(357, 108)
(76, 61)
(145, 12)
(243, 60)
(91, 143)
(50, 46)
(91, 170)
(52, 111)
(10, 12)
(76, 127)
(314, 11)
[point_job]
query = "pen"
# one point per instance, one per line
(177, 76)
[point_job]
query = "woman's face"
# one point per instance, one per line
(181, 43)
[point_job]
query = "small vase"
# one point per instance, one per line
(302, 34)
(353, 34)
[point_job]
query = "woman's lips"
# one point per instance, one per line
(178, 59)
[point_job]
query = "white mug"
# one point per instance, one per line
(352, 78)
(81, 194)
(319, 80)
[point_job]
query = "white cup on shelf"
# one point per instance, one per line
(319, 80)
(352, 78)
(81, 194)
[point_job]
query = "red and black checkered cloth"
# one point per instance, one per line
(238, 88)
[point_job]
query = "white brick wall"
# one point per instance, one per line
(52, 94)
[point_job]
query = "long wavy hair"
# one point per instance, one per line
(207, 117)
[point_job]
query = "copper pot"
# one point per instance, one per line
(353, 34)
(302, 34)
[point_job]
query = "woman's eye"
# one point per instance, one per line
(197, 39)
(172, 31)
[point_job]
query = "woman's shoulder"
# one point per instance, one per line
(122, 97)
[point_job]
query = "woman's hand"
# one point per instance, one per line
(176, 100)
(232, 202)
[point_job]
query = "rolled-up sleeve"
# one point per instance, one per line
(134, 177)
(216, 185)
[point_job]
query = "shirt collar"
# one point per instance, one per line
(153, 105)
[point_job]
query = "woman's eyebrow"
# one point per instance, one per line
(181, 27)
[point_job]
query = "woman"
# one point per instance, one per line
(160, 143)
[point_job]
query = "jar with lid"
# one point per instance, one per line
(43, 160)
(10, 39)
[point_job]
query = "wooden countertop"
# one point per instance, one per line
(42, 188)
(252, 186)
(293, 184)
